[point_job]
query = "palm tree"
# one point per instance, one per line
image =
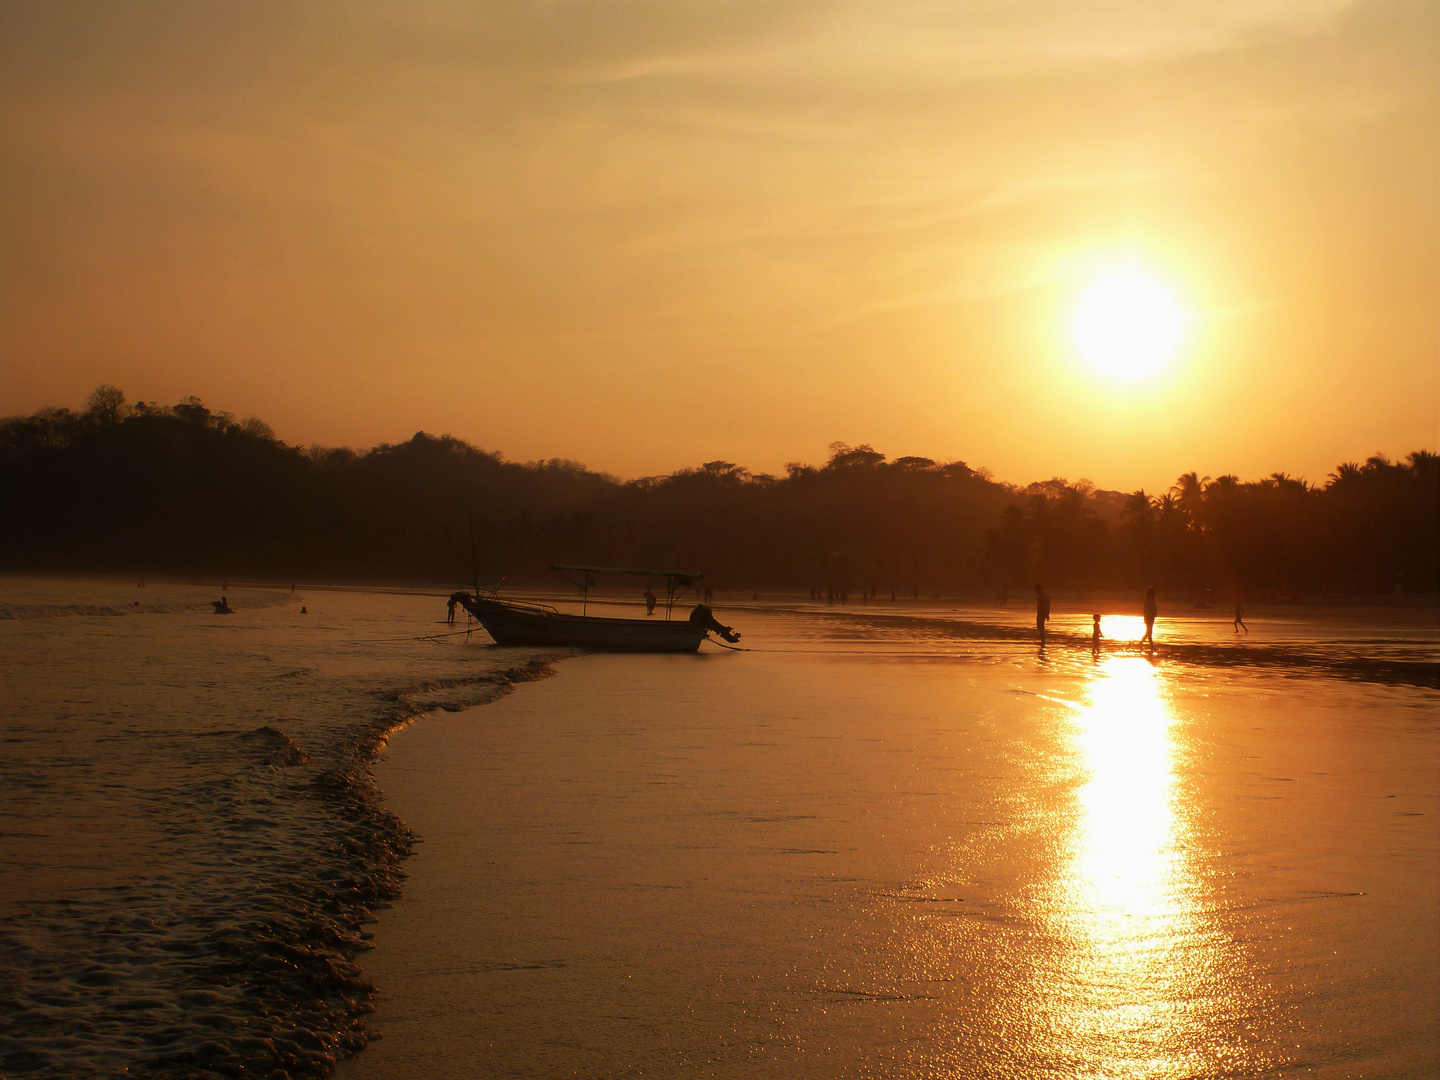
(1139, 507)
(1189, 492)
(1422, 461)
(1346, 474)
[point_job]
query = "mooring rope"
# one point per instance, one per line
(732, 648)
(413, 637)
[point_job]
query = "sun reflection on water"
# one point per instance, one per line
(1126, 898)
(1124, 858)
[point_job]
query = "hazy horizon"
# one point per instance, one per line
(643, 237)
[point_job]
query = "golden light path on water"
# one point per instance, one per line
(1125, 896)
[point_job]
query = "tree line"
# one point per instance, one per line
(152, 489)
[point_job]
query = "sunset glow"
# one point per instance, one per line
(865, 538)
(647, 237)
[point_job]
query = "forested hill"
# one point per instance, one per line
(149, 489)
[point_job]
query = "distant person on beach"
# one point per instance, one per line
(1095, 636)
(649, 601)
(456, 599)
(221, 606)
(1042, 611)
(1151, 610)
(1240, 617)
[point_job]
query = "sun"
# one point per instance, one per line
(1128, 325)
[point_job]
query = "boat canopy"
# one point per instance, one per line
(676, 581)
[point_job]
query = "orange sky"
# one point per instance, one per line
(645, 235)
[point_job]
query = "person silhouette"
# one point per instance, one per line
(1095, 636)
(649, 601)
(1151, 610)
(1042, 611)
(1240, 617)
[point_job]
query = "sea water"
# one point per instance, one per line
(190, 843)
(895, 841)
(919, 846)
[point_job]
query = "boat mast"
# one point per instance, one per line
(474, 564)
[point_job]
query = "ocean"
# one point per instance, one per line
(894, 840)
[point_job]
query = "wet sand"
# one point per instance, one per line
(838, 858)
(190, 842)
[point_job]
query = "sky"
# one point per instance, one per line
(647, 234)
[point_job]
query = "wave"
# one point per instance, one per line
(239, 955)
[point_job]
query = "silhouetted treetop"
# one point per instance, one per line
(182, 488)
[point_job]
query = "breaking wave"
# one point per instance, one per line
(235, 951)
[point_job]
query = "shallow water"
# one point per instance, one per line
(191, 845)
(893, 841)
(853, 853)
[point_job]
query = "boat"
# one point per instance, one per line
(519, 622)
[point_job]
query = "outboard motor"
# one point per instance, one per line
(703, 616)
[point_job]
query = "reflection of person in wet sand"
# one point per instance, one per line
(1240, 617)
(1095, 636)
(1151, 610)
(1042, 611)
(649, 601)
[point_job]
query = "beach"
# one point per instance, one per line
(861, 854)
(884, 840)
(192, 846)
(747, 541)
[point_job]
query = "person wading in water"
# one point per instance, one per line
(1042, 612)
(1151, 610)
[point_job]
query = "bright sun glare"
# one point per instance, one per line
(1128, 325)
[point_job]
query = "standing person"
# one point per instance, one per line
(1151, 610)
(1240, 616)
(1042, 612)
(649, 601)
(1095, 636)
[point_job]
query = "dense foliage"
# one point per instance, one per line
(148, 489)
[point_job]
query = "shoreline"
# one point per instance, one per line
(570, 912)
(1107, 601)
(234, 757)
